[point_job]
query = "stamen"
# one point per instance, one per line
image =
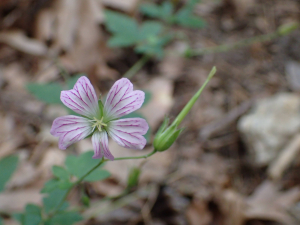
(98, 123)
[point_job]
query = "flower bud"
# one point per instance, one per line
(165, 137)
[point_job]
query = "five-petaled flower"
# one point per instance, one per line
(100, 120)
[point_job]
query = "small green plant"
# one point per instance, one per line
(150, 37)
(87, 167)
(166, 12)
(7, 167)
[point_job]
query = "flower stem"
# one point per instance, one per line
(137, 66)
(137, 157)
(281, 31)
(190, 104)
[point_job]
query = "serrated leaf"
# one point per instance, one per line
(48, 93)
(50, 186)
(60, 172)
(33, 215)
(149, 29)
(97, 175)
(80, 165)
(52, 201)
(151, 10)
(120, 40)
(8, 166)
(65, 218)
(123, 27)
(184, 18)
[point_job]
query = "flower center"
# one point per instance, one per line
(98, 123)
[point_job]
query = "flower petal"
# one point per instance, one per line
(100, 144)
(122, 100)
(82, 99)
(129, 132)
(70, 129)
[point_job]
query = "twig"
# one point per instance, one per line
(281, 31)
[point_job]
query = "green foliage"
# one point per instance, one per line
(31, 216)
(183, 17)
(64, 218)
(80, 165)
(53, 200)
(60, 173)
(50, 93)
(139, 115)
(126, 32)
(7, 167)
(1, 223)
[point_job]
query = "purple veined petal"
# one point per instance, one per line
(82, 99)
(70, 129)
(100, 144)
(129, 132)
(122, 100)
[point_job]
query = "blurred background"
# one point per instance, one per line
(237, 161)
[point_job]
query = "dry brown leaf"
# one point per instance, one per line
(161, 101)
(268, 203)
(18, 40)
(198, 213)
(127, 5)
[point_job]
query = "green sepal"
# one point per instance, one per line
(164, 139)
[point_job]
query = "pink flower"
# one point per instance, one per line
(100, 120)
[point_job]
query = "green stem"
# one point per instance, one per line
(73, 185)
(281, 31)
(137, 157)
(137, 66)
(190, 104)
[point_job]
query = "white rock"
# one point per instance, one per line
(270, 126)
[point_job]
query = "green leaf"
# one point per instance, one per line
(60, 172)
(167, 10)
(123, 27)
(33, 215)
(19, 217)
(53, 200)
(184, 18)
(50, 186)
(1, 223)
(7, 167)
(97, 175)
(48, 93)
(139, 115)
(151, 10)
(149, 29)
(65, 218)
(80, 165)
